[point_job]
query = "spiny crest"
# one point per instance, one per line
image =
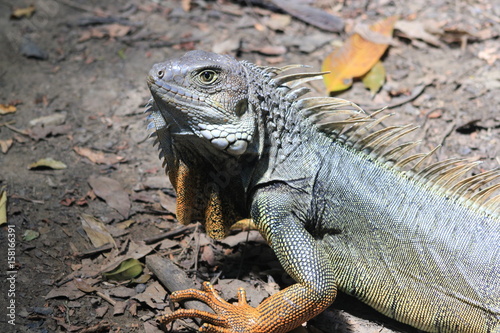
(351, 126)
(159, 131)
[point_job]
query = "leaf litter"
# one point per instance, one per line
(111, 67)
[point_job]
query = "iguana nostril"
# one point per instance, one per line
(160, 74)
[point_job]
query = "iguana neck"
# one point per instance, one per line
(283, 132)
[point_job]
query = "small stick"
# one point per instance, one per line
(169, 234)
(97, 250)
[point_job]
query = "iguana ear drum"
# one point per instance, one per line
(241, 108)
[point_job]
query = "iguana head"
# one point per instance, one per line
(205, 94)
(204, 126)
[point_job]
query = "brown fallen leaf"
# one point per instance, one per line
(5, 145)
(112, 192)
(98, 157)
(243, 237)
(119, 308)
(489, 54)
(101, 311)
(84, 286)
(167, 202)
(39, 132)
(208, 255)
(117, 30)
(278, 21)
(270, 50)
(113, 30)
(153, 295)
(418, 30)
(229, 287)
(68, 290)
(96, 231)
(356, 57)
(18, 13)
(122, 292)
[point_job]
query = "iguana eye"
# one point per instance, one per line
(207, 76)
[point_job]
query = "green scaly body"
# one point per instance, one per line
(330, 197)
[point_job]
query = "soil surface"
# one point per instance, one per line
(72, 74)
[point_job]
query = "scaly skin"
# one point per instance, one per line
(331, 199)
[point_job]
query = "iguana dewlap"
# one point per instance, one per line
(328, 191)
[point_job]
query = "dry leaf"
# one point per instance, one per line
(98, 157)
(119, 308)
(186, 5)
(311, 15)
(123, 292)
(375, 78)
(5, 145)
(117, 30)
(167, 202)
(108, 30)
(153, 294)
(207, 254)
(3, 207)
(39, 132)
(243, 237)
(112, 192)
(101, 311)
(489, 54)
(96, 231)
(417, 30)
(229, 287)
(23, 12)
(68, 290)
(47, 163)
(54, 119)
(278, 21)
(7, 108)
(356, 57)
(84, 286)
(271, 50)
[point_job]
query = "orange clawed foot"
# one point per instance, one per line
(228, 318)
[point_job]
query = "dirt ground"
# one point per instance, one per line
(74, 72)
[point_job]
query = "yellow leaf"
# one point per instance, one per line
(23, 12)
(3, 207)
(7, 108)
(5, 145)
(47, 163)
(355, 57)
(375, 78)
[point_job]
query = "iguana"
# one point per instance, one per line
(339, 201)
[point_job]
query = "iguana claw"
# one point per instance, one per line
(238, 317)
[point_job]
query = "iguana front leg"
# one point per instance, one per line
(301, 258)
